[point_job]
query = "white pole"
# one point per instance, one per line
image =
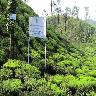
(45, 46)
(51, 8)
(28, 50)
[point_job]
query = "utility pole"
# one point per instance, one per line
(59, 10)
(51, 8)
(58, 15)
(12, 27)
(25, 1)
(86, 13)
(65, 19)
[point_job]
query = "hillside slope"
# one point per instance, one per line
(21, 29)
(76, 29)
(71, 57)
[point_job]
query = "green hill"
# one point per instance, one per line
(21, 26)
(71, 53)
(76, 30)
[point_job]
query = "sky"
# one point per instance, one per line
(39, 5)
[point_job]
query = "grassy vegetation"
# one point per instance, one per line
(72, 55)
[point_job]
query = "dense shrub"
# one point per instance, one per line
(71, 57)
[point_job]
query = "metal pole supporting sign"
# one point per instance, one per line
(28, 50)
(12, 18)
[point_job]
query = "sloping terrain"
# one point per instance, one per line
(71, 57)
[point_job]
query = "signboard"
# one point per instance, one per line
(37, 27)
(12, 16)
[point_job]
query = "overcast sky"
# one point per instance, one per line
(40, 5)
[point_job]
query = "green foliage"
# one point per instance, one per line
(56, 90)
(92, 93)
(72, 55)
(27, 71)
(12, 64)
(19, 69)
(58, 79)
(1, 56)
(14, 69)
(23, 12)
(35, 54)
(76, 29)
(5, 74)
(30, 84)
(11, 85)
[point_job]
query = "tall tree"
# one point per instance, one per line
(75, 11)
(66, 14)
(86, 12)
